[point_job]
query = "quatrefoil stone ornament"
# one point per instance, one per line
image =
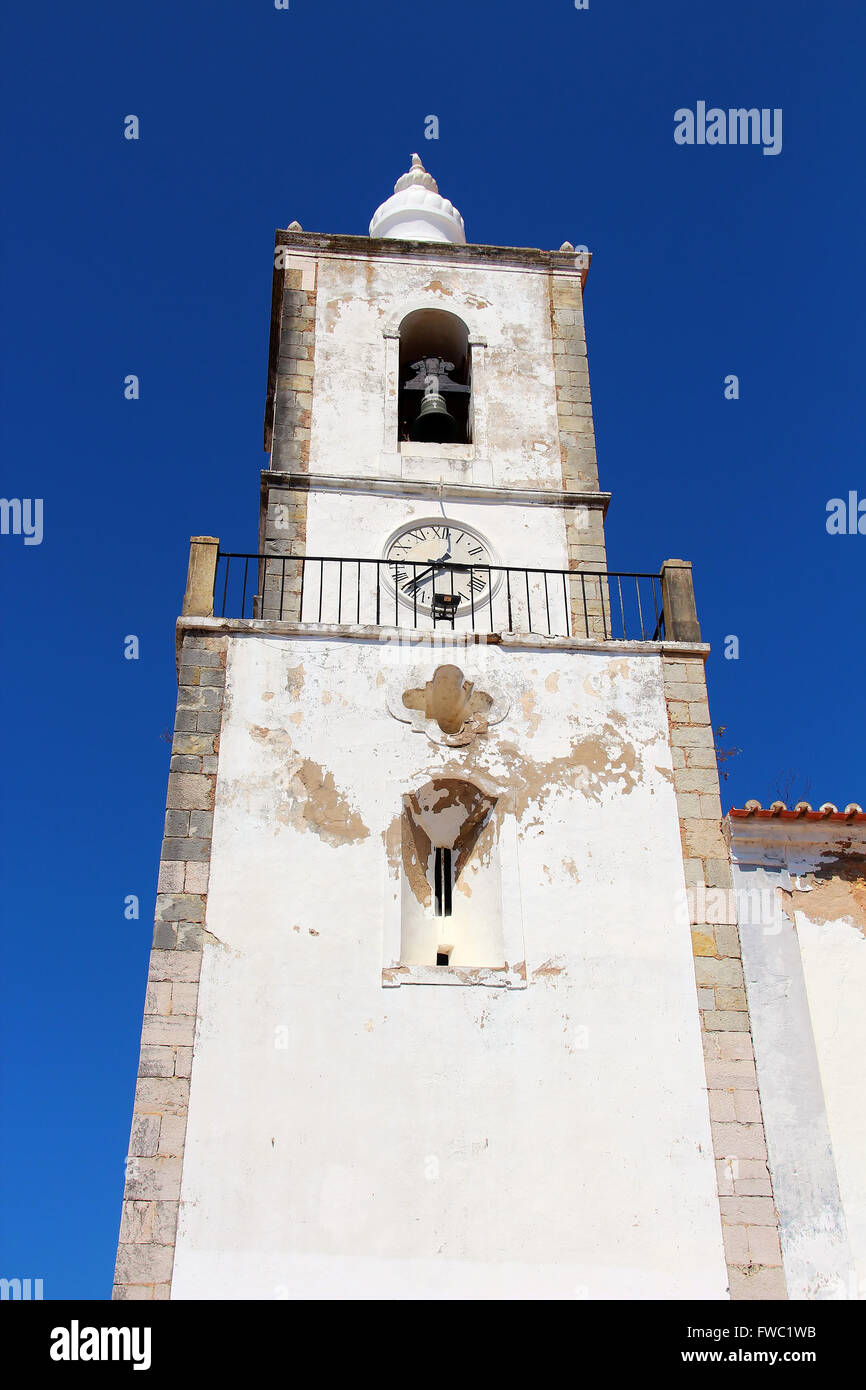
(448, 709)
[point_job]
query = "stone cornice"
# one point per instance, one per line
(390, 248)
(410, 637)
(405, 487)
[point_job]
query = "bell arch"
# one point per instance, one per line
(434, 398)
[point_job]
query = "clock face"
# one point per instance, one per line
(437, 557)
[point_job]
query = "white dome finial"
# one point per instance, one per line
(417, 212)
(416, 177)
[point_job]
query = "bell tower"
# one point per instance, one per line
(422, 1017)
(395, 375)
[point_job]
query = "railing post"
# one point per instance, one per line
(678, 599)
(201, 577)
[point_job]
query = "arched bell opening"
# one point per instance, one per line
(435, 391)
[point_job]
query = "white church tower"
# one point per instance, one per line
(443, 851)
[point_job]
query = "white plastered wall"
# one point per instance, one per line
(806, 980)
(834, 966)
(350, 1140)
(360, 304)
(349, 523)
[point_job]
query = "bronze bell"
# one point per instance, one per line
(434, 423)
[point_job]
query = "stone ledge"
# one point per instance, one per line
(410, 637)
(315, 244)
(406, 487)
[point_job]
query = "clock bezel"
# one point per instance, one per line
(453, 523)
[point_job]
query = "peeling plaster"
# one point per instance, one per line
(325, 810)
(533, 719)
(295, 681)
(438, 287)
(836, 890)
(549, 968)
(313, 802)
(598, 685)
(593, 766)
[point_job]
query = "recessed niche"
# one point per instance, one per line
(451, 871)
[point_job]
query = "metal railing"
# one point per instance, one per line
(426, 595)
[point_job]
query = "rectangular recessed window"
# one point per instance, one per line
(450, 895)
(442, 883)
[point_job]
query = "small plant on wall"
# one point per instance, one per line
(723, 754)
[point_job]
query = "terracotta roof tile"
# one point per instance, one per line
(852, 815)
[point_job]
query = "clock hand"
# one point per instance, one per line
(419, 580)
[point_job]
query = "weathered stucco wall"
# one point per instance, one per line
(803, 917)
(350, 1140)
(346, 523)
(834, 965)
(508, 315)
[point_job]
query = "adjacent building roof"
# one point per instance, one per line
(852, 815)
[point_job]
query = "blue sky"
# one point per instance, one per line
(154, 257)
